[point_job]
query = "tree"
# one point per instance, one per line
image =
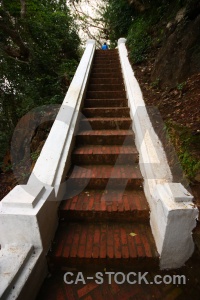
(39, 53)
(118, 16)
(89, 17)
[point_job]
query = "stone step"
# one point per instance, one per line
(103, 205)
(105, 123)
(105, 137)
(98, 154)
(117, 80)
(106, 87)
(103, 176)
(105, 94)
(120, 102)
(106, 112)
(103, 245)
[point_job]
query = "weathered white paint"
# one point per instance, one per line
(26, 225)
(13, 259)
(172, 218)
(28, 214)
(23, 268)
(51, 164)
(27, 196)
(174, 222)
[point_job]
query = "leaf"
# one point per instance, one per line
(132, 234)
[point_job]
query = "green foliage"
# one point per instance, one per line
(189, 164)
(34, 156)
(144, 28)
(138, 40)
(181, 86)
(185, 144)
(155, 84)
(118, 17)
(39, 53)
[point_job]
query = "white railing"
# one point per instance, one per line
(173, 214)
(28, 214)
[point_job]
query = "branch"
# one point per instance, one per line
(92, 36)
(138, 5)
(13, 53)
(23, 8)
(16, 38)
(84, 14)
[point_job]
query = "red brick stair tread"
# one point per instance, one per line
(107, 119)
(106, 112)
(106, 200)
(104, 240)
(107, 171)
(110, 149)
(105, 137)
(107, 132)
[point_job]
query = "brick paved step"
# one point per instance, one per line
(106, 75)
(107, 56)
(102, 205)
(100, 60)
(104, 176)
(105, 123)
(105, 63)
(120, 102)
(106, 52)
(103, 244)
(105, 137)
(107, 112)
(111, 55)
(109, 71)
(106, 87)
(117, 80)
(92, 154)
(106, 95)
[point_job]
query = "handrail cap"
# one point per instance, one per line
(121, 41)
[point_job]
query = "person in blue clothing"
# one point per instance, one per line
(104, 47)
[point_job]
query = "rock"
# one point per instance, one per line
(179, 56)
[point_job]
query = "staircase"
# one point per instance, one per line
(107, 223)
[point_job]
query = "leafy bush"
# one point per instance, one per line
(185, 144)
(138, 40)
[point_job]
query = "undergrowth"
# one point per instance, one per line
(186, 145)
